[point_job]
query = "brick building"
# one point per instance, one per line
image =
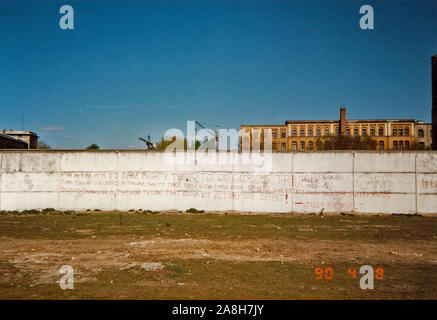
(396, 134)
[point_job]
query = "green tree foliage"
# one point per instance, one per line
(43, 145)
(164, 143)
(93, 147)
(418, 146)
(343, 142)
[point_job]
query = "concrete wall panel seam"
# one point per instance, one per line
(292, 182)
(415, 180)
(353, 181)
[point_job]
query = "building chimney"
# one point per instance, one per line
(342, 121)
(434, 102)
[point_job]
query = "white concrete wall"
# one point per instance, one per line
(362, 182)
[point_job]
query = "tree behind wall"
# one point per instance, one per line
(93, 147)
(163, 144)
(343, 142)
(42, 145)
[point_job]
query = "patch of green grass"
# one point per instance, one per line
(224, 227)
(48, 210)
(195, 279)
(208, 278)
(174, 268)
(32, 211)
(194, 210)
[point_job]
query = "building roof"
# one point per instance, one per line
(18, 132)
(334, 121)
(12, 139)
(350, 120)
(310, 121)
(263, 125)
(381, 120)
(287, 122)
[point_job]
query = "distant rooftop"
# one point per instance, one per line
(5, 136)
(18, 132)
(334, 121)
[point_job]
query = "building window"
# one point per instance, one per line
(246, 139)
(246, 130)
(274, 146)
(294, 145)
(395, 145)
(364, 132)
(283, 134)
(348, 131)
(400, 132)
(266, 133)
(310, 145)
(401, 145)
(395, 132)
(422, 145)
(381, 145)
(302, 145)
(381, 132)
(326, 132)
(310, 132)
(319, 132)
(302, 132)
(326, 146)
(283, 146)
(420, 133)
(336, 131)
(294, 132)
(274, 134)
(355, 131)
(407, 145)
(372, 132)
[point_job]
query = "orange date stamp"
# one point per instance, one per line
(369, 274)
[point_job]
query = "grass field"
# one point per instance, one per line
(172, 255)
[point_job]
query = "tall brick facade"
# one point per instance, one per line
(308, 135)
(342, 120)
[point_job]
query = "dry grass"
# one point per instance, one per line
(215, 256)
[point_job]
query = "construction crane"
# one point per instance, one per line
(149, 145)
(215, 134)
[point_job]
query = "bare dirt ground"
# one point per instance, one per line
(257, 259)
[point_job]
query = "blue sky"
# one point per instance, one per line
(134, 68)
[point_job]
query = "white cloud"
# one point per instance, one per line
(104, 107)
(52, 128)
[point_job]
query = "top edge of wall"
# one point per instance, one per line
(275, 152)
